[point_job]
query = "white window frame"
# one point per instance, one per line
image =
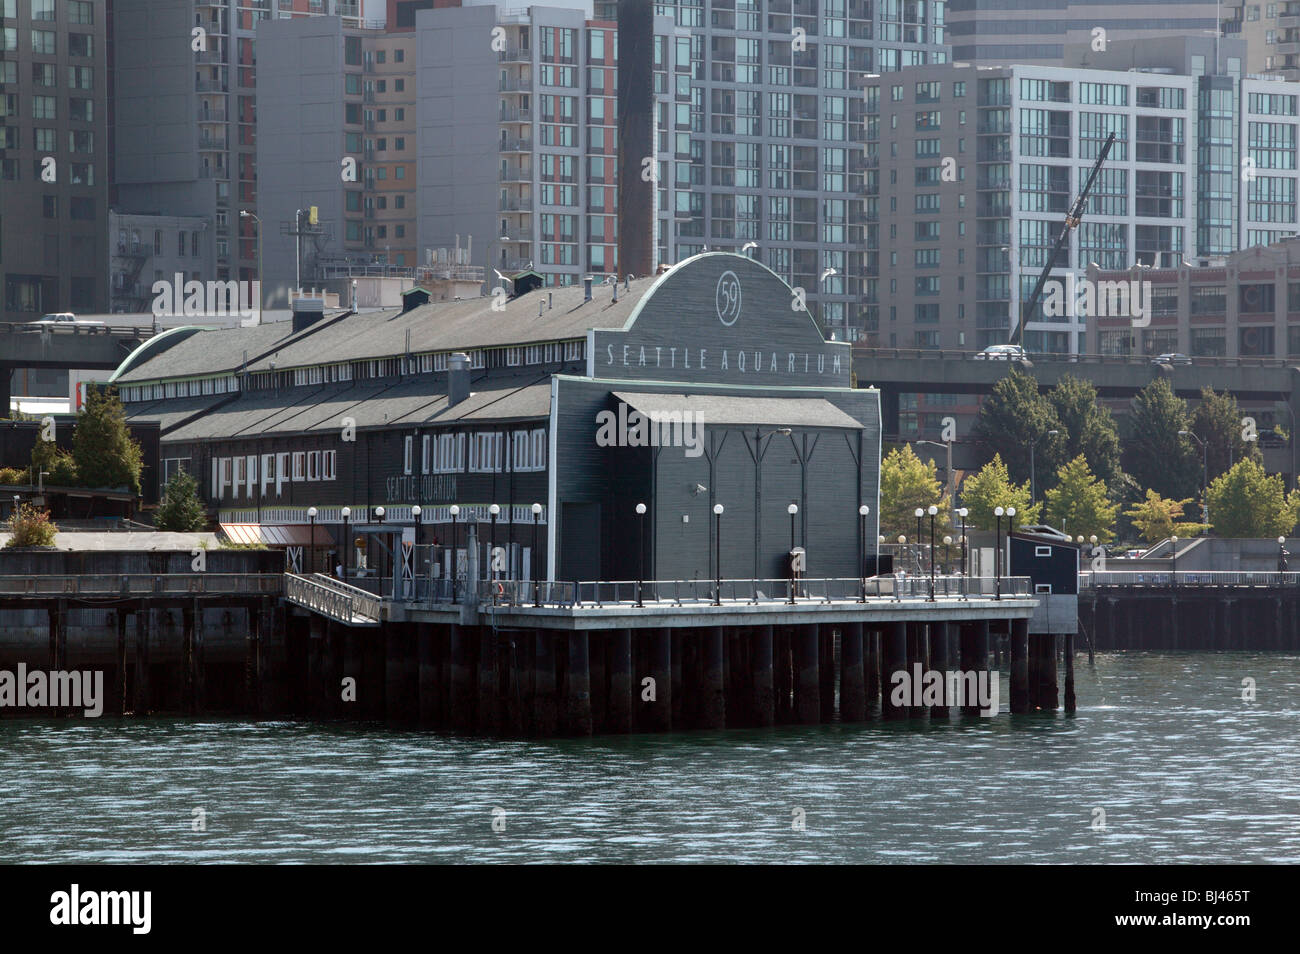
(425, 460)
(408, 453)
(299, 466)
(329, 462)
(313, 465)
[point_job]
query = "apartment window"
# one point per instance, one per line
(43, 42)
(81, 11)
(80, 77)
(44, 74)
(42, 9)
(82, 110)
(81, 44)
(43, 107)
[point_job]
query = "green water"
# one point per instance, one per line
(1183, 768)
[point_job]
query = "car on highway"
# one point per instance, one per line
(65, 318)
(1171, 357)
(1006, 352)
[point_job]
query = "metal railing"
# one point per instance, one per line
(1100, 579)
(332, 598)
(141, 584)
(75, 328)
(1140, 359)
(525, 593)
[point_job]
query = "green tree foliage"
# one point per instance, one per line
(1157, 518)
(106, 455)
(1087, 427)
(905, 484)
(1247, 502)
(991, 488)
(181, 509)
(1217, 421)
(1012, 418)
(1156, 456)
(1079, 502)
(12, 476)
(58, 465)
(31, 527)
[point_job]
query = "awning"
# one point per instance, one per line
(274, 536)
(728, 409)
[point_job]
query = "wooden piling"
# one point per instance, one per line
(826, 671)
(121, 661)
(939, 663)
(761, 672)
(783, 673)
(619, 710)
(578, 704)
(916, 656)
(597, 653)
(142, 625)
(807, 694)
(853, 697)
(659, 712)
(463, 680)
(1070, 702)
(545, 709)
(401, 676)
(871, 664)
(1019, 648)
(489, 703)
(713, 708)
(427, 673)
(893, 651)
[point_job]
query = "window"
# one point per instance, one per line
(80, 11)
(313, 465)
(408, 454)
(485, 452)
(43, 107)
(328, 462)
(43, 42)
(299, 466)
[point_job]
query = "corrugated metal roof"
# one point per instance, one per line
(758, 411)
(261, 413)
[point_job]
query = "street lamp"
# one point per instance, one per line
(948, 478)
(717, 536)
(997, 554)
(932, 511)
(963, 513)
(1205, 474)
(862, 549)
(1281, 555)
(640, 548)
(346, 513)
(1173, 555)
(947, 551)
(495, 511)
(1034, 444)
(537, 590)
(792, 510)
(454, 510)
(245, 214)
(311, 548)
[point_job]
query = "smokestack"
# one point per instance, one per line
(636, 140)
(586, 288)
(457, 378)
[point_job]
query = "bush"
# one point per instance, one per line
(31, 528)
(181, 509)
(12, 475)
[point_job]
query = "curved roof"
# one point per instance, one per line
(154, 347)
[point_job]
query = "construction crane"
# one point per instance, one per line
(1071, 222)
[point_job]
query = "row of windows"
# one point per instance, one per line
(270, 470)
(489, 452)
(172, 389)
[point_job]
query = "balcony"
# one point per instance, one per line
(517, 175)
(516, 84)
(515, 55)
(516, 116)
(515, 145)
(213, 142)
(211, 86)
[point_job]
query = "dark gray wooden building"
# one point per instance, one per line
(706, 385)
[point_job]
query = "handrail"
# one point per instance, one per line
(142, 584)
(1097, 579)
(333, 598)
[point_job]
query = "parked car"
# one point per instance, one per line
(1006, 352)
(1171, 357)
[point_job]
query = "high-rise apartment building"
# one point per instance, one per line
(1037, 32)
(1271, 32)
(977, 169)
(185, 113)
(53, 157)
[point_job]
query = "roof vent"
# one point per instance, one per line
(457, 378)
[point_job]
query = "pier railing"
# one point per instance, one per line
(1137, 579)
(333, 598)
(142, 584)
(705, 592)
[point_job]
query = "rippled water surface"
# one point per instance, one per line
(1183, 769)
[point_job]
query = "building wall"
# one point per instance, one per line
(53, 249)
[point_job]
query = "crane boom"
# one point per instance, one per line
(1071, 222)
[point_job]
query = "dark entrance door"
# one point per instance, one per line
(579, 542)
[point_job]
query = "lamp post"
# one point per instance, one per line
(948, 479)
(717, 538)
(495, 511)
(640, 549)
(1281, 557)
(454, 510)
(379, 513)
(947, 551)
(932, 511)
(1205, 474)
(346, 513)
(919, 514)
(245, 214)
(997, 554)
(963, 513)
(1173, 557)
(792, 510)
(537, 590)
(311, 547)
(1034, 444)
(862, 550)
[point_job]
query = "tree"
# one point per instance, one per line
(56, 463)
(1015, 417)
(106, 455)
(1156, 518)
(1217, 421)
(1087, 427)
(991, 488)
(1157, 457)
(1247, 502)
(1078, 503)
(181, 509)
(905, 484)
(31, 528)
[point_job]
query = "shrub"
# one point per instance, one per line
(12, 475)
(31, 528)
